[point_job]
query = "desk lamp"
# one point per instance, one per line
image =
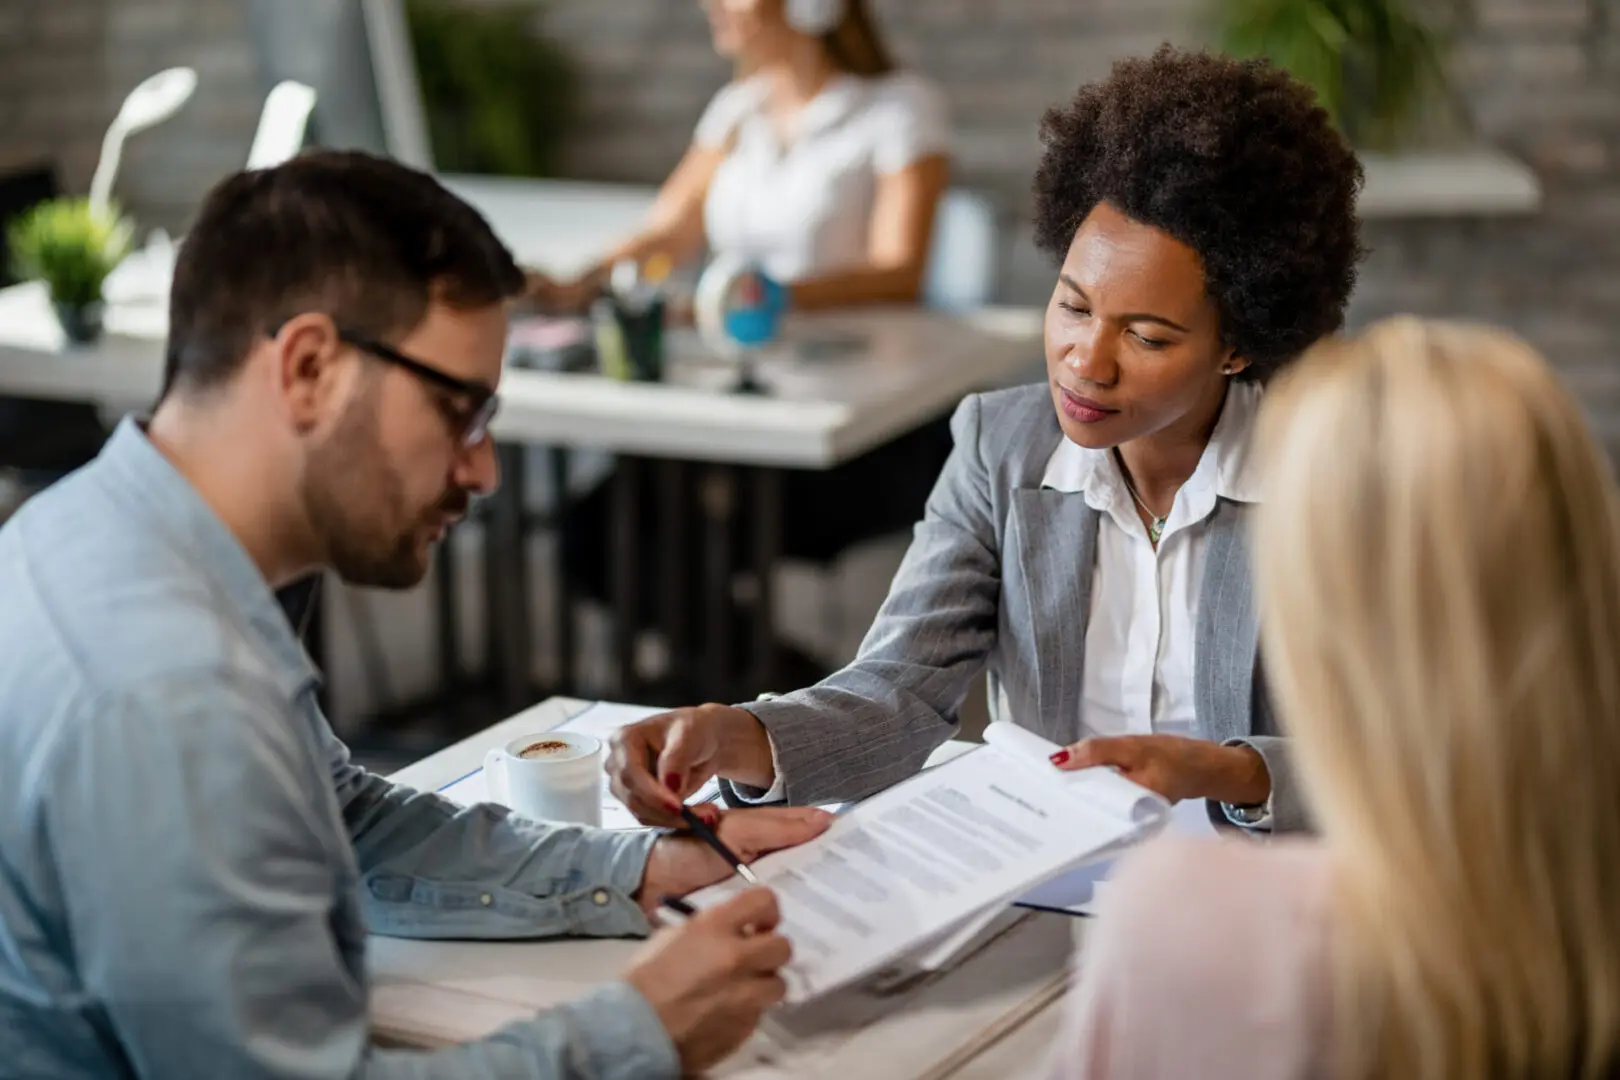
(152, 102)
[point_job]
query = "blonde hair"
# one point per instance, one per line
(1439, 565)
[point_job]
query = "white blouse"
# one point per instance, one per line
(1140, 636)
(804, 208)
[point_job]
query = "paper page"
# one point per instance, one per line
(601, 720)
(1076, 891)
(1100, 785)
(911, 863)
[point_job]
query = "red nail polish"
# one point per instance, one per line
(672, 781)
(1060, 757)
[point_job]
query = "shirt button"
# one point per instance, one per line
(600, 898)
(486, 899)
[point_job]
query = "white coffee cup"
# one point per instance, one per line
(549, 776)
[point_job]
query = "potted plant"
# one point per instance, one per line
(1374, 64)
(72, 247)
(500, 94)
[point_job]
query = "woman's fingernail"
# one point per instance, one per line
(672, 781)
(1060, 757)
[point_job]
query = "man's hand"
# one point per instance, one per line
(680, 864)
(1177, 767)
(655, 764)
(712, 979)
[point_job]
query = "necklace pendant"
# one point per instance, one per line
(1155, 530)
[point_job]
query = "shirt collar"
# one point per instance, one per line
(158, 492)
(837, 99)
(1226, 469)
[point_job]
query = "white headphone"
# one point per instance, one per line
(815, 17)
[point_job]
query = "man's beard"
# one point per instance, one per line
(357, 507)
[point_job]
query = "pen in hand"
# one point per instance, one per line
(695, 825)
(675, 911)
(707, 835)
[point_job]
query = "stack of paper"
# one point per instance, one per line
(435, 993)
(916, 873)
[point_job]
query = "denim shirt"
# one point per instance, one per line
(189, 861)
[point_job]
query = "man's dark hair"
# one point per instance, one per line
(1236, 160)
(365, 239)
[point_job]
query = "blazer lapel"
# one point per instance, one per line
(1228, 629)
(1054, 541)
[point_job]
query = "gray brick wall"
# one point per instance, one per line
(65, 65)
(1538, 77)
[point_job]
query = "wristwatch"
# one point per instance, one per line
(1248, 816)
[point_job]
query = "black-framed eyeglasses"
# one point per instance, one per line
(472, 423)
(483, 402)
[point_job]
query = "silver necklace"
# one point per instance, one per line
(1155, 527)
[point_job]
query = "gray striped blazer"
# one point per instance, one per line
(998, 577)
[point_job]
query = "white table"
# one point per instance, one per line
(909, 365)
(431, 993)
(905, 367)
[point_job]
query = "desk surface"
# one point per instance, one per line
(429, 993)
(896, 368)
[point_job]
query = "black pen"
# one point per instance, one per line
(680, 908)
(706, 834)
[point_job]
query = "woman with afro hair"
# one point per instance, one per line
(1086, 541)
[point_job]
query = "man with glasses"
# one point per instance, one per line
(189, 861)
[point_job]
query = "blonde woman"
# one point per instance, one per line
(1439, 570)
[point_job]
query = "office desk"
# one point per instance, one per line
(992, 1019)
(897, 368)
(709, 452)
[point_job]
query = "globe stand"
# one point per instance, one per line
(748, 376)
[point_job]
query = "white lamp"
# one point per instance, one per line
(282, 125)
(152, 102)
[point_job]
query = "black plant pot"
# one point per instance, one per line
(80, 322)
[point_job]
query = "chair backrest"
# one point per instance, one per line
(962, 258)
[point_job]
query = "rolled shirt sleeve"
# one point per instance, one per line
(213, 900)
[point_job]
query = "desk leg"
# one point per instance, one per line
(767, 500)
(557, 459)
(625, 542)
(506, 583)
(674, 597)
(719, 498)
(444, 602)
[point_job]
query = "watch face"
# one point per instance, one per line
(1247, 815)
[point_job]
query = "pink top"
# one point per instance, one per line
(1209, 960)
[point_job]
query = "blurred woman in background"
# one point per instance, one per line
(821, 161)
(824, 165)
(1439, 560)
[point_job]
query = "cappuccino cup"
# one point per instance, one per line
(549, 776)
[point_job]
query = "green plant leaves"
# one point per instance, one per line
(500, 96)
(70, 246)
(1371, 62)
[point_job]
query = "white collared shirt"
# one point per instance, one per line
(803, 207)
(1141, 632)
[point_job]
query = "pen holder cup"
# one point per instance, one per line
(630, 340)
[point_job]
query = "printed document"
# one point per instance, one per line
(908, 866)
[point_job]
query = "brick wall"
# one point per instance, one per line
(1538, 77)
(65, 65)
